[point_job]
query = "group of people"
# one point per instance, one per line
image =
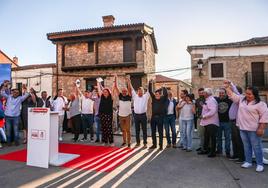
(241, 118)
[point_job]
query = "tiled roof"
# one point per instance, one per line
(257, 41)
(104, 30)
(9, 58)
(34, 66)
(161, 78)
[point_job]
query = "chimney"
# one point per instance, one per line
(16, 60)
(108, 21)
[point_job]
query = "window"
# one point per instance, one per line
(136, 81)
(90, 46)
(139, 43)
(127, 50)
(217, 70)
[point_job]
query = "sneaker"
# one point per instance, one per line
(83, 140)
(259, 168)
(60, 139)
(246, 165)
(122, 145)
(160, 148)
(184, 148)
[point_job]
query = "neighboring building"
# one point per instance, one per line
(102, 52)
(39, 77)
(4, 59)
(245, 63)
(173, 84)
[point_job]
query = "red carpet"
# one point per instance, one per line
(99, 158)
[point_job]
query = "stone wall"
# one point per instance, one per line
(110, 51)
(236, 67)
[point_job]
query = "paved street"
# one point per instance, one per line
(144, 168)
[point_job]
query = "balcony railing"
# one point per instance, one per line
(257, 79)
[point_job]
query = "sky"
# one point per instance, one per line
(5, 72)
(177, 24)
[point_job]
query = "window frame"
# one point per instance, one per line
(210, 70)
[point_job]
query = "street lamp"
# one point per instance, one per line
(200, 66)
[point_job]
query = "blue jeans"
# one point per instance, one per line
(226, 128)
(169, 122)
(181, 130)
(98, 126)
(87, 122)
(188, 133)
(252, 142)
(12, 123)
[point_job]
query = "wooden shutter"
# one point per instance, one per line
(127, 50)
(257, 69)
(217, 70)
(139, 43)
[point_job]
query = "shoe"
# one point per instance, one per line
(92, 139)
(211, 155)
(184, 148)
(174, 146)
(17, 143)
(233, 158)
(97, 141)
(198, 149)
(152, 147)
(123, 144)
(188, 150)
(83, 140)
(75, 140)
(60, 139)
(246, 165)
(137, 145)
(239, 161)
(259, 168)
(144, 146)
(160, 148)
(202, 152)
(180, 146)
(169, 145)
(128, 145)
(228, 155)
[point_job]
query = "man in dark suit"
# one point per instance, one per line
(45, 101)
(169, 120)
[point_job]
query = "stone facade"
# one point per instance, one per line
(236, 64)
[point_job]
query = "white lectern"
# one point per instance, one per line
(43, 144)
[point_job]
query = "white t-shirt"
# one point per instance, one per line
(59, 104)
(186, 112)
(87, 105)
(124, 105)
(140, 103)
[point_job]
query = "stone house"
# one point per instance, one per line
(38, 76)
(245, 63)
(172, 84)
(86, 54)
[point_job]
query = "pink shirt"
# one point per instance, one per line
(210, 112)
(250, 115)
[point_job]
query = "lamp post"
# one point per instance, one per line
(200, 66)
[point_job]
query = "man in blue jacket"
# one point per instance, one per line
(170, 119)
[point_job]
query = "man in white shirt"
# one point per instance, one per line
(87, 105)
(59, 105)
(140, 100)
(124, 111)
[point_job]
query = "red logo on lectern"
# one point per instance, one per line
(40, 110)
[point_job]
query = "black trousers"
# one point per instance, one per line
(157, 122)
(76, 122)
(141, 121)
(238, 148)
(210, 137)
